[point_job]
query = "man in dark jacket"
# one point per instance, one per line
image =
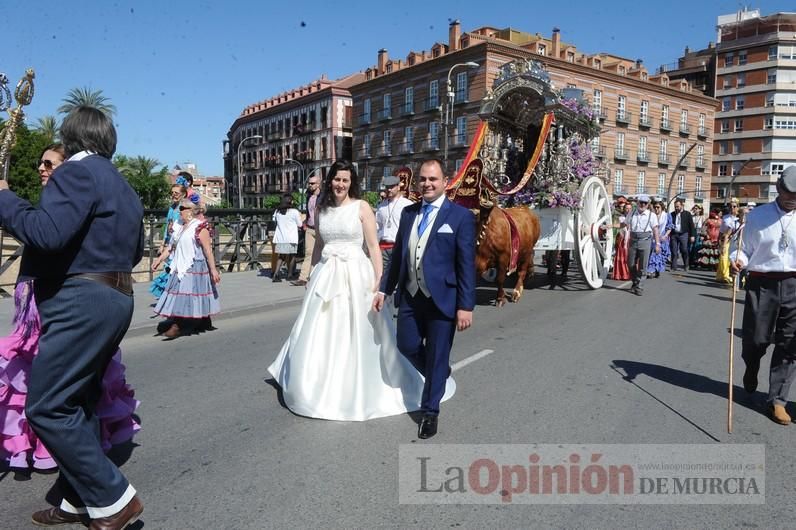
(683, 234)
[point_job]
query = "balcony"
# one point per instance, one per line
(700, 163)
(364, 153)
(248, 166)
(683, 163)
(432, 144)
(644, 121)
(600, 113)
(598, 151)
(431, 105)
(408, 109)
(406, 147)
(663, 160)
(384, 151)
(620, 153)
(702, 132)
(643, 156)
(384, 115)
(273, 136)
(666, 126)
(685, 129)
(364, 119)
(623, 116)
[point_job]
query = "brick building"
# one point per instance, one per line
(647, 121)
(211, 188)
(755, 85)
(287, 138)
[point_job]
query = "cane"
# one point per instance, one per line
(735, 283)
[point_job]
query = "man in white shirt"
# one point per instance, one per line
(768, 252)
(642, 225)
(388, 216)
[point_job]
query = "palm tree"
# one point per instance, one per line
(48, 127)
(86, 96)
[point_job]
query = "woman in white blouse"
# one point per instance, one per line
(286, 237)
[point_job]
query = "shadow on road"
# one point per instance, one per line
(738, 299)
(689, 381)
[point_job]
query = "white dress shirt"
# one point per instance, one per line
(639, 221)
(761, 250)
(388, 216)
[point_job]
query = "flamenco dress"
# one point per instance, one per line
(20, 448)
(657, 261)
(621, 270)
(341, 361)
(160, 281)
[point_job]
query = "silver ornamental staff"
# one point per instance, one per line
(8, 134)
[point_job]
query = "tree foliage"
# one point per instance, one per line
(151, 185)
(86, 96)
(23, 175)
(48, 127)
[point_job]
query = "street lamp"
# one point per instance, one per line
(301, 166)
(448, 118)
(240, 187)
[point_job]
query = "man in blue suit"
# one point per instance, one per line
(432, 272)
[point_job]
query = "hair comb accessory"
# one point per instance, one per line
(194, 198)
(182, 181)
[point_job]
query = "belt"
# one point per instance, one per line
(641, 235)
(386, 244)
(311, 227)
(121, 281)
(773, 275)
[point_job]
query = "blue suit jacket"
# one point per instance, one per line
(89, 219)
(448, 261)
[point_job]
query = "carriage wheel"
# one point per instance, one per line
(594, 236)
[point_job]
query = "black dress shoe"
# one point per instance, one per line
(428, 426)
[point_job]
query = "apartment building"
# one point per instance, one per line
(755, 85)
(275, 145)
(648, 123)
(211, 188)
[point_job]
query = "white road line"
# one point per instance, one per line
(471, 359)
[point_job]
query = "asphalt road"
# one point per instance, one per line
(569, 366)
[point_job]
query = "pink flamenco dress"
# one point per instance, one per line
(20, 448)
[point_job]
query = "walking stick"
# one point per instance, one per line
(735, 283)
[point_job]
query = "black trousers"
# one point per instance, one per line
(83, 322)
(679, 246)
(770, 317)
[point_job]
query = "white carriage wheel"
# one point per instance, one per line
(593, 245)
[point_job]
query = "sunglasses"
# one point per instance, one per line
(643, 202)
(183, 208)
(48, 164)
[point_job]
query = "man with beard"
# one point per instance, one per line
(768, 252)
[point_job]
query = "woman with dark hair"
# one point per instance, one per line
(20, 448)
(657, 262)
(81, 243)
(288, 221)
(341, 361)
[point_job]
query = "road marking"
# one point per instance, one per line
(471, 359)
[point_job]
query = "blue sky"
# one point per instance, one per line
(180, 72)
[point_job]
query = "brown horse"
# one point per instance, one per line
(495, 245)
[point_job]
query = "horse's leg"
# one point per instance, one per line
(522, 270)
(501, 279)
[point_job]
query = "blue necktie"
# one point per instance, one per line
(427, 208)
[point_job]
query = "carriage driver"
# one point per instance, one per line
(642, 225)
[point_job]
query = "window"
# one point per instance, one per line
(645, 110)
(621, 106)
(726, 104)
(461, 130)
(459, 164)
(683, 118)
(770, 99)
(771, 77)
(366, 145)
(784, 123)
(736, 168)
(409, 140)
(433, 94)
(701, 122)
(768, 123)
(738, 125)
(597, 101)
(665, 114)
(461, 87)
(725, 126)
(622, 70)
(618, 174)
(571, 57)
(680, 184)
(740, 80)
(386, 106)
(387, 142)
(726, 82)
(387, 171)
(787, 52)
(736, 147)
(409, 100)
(664, 147)
(701, 155)
(698, 187)
(598, 64)
(541, 49)
(740, 101)
(642, 145)
(741, 58)
(722, 148)
(722, 170)
(640, 182)
(433, 132)
(776, 169)
(620, 142)
(661, 182)
(772, 53)
(729, 60)
(366, 111)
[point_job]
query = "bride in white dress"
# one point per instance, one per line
(341, 361)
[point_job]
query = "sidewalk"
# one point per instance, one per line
(239, 291)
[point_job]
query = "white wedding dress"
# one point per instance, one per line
(341, 361)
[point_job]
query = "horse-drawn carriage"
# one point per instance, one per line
(532, 180)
